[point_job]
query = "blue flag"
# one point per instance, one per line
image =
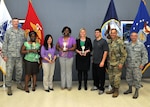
(111, 12)
(141, 26)
(110, 21)
(141, 23)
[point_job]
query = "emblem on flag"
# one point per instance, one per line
(110, 21)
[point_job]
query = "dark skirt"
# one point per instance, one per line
(82, 63)
(31, 67)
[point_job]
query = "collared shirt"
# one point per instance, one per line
(117, 52)
(13, 42)
(136, 54)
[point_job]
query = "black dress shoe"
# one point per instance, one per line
(47, 90)
(51, 89)
(33, 89)
(85, 87)
(27, 91)
(79, 88)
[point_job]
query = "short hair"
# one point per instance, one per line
(114, 29)
(133, 32)
(66, 27)
(32, 32)
(98, 29)
(15, 18)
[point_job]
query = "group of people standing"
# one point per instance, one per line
(107, 55)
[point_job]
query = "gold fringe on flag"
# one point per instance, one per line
(144, 2)
(145, 68)
(3, 71)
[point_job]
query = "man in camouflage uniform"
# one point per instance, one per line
(13, 40)
(136, 59)
(116, 59)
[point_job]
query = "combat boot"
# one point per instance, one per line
(9, 91)
(136, 94)
(129, 90)
(111, 91)
(116, 93)
(19, 86)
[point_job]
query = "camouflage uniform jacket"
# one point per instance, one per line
(13, 41)
(117, 52)
(136, 55)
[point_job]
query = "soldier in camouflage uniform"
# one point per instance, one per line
(13, 40)
(136, 59)
(116, 59)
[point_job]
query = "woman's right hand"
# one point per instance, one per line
(79, 52)
(60, 49)
(50, 61)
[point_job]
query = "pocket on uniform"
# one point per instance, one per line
(137, 49)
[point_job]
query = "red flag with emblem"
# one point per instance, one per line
(32, 23)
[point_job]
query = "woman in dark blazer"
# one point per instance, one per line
(83, 50)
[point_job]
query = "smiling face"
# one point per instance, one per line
(33, 37)
(66, 32)
(82, 33)
(134, 37)
(49, 41)
(97, 34)
(113, 33)
(15, 23)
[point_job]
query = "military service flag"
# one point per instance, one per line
(141, 25)
(110, 21)
(5, 23)
(32, 22)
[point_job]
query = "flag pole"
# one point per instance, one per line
(4, 79)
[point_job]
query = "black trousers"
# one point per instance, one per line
(99, 76)
(85, 75)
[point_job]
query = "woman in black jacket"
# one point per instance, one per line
(83, 50)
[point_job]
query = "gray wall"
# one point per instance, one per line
(55, 14)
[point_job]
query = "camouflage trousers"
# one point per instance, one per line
(13, 64)
(133, 76)
(114, 76)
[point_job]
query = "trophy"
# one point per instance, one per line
(64, 44)
(50, 56)
(33, 45)
(83, 47)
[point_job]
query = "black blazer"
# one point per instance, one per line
(83, 62)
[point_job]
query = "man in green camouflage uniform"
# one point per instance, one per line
(136, 59)
(13, 40)
(116, 59)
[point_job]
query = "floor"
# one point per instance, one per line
(74, 98)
